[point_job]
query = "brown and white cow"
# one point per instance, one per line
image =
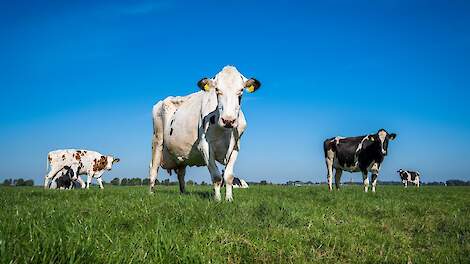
(82, 162)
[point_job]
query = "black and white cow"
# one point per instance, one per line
(356, 154)
(409, 176)
(66, 179)
(237, 183)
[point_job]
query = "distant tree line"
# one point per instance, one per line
(457, 183)
(18, 182)
(166, 182)
(146, 181)
(447, 183)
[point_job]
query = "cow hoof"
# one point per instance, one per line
(229, 199)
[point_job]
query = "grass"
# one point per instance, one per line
(267, 224)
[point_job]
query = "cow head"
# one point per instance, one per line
(110, 161)
(228, 85)
(382, 137)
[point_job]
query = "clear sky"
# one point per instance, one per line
(86, 74)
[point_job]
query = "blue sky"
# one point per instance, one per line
(85, 75)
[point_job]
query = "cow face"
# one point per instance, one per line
(383, 137)
(110, 161)
(229, 85)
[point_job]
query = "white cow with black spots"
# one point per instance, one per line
(409, 176)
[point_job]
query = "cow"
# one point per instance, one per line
(202, 128)
(237, 183)
(64, 179)
(409, 176)
(356, 154)
(81, 162)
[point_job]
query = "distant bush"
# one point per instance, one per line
(18, 182)
(7, 182)
(457, 183)
(190, 182)
(29, 183)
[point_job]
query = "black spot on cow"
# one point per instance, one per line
(171, 123)
(212, 119)
(171, 131)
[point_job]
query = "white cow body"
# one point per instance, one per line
(201, 128)
(82, 162)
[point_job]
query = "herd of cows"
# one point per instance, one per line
(204, 127)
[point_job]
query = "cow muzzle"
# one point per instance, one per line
(228, 122)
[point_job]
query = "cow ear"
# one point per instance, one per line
(252, 85)
(371, 138)
(115, 160)
(392, 136)
(205, 84)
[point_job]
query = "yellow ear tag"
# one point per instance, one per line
(206, 87)
(251, 89)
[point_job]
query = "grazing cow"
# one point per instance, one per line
(409, 176)
(81, 162)
(202, 128)
(238, 183)
(354, 154)
(64, 179)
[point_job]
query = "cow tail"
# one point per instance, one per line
(329, 144)
(47, 164)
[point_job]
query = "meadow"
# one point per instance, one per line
(265, 224)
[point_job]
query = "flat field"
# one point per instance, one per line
(264, 224)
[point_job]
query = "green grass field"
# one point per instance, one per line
(269, 224)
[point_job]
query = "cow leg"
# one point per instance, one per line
(80, 180)
(338, 174)
(157, 150)
(88, 179)
(181, 172)
(406, 184)
(208, 156)
(417, 182)
(228, 175)
(374, 181)
(50, 175)
(100, 182)
(375, 173)
(365, 179)
(330, 155)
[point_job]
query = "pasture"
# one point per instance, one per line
(265, 224)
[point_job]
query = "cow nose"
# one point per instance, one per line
(228, 122)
